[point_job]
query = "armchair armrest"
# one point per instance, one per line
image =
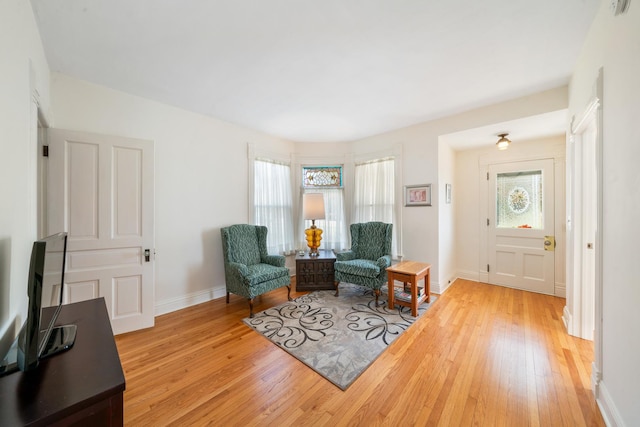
(384, 262)
(275, 260)
(237, 271)
(345, 256)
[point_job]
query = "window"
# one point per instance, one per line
(273, 203)
(519, 200)
(374, 194)
(328, 181)
(322, 176)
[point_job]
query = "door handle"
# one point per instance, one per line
(147, 255)
(549, 243)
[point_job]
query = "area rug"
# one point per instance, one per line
(338, 337)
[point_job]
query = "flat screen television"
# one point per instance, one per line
(39, 337)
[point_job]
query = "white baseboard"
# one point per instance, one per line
(596, 377)
(443, 288)
(174, 304)
(560, 290)
(567, 318)
(436, 288)
(468, 275)
(610, 413)
(483, 277)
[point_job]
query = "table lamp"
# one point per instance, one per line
(313, 208)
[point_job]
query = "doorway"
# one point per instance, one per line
(99, 189)
(583, 219)
(521, 224)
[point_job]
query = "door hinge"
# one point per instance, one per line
(487, 176)
(487, 222)
(487, 268)
(45, 151)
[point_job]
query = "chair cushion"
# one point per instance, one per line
(259, 273)
(358, 267)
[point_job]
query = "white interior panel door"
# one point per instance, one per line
(521, 225)
(100, 191)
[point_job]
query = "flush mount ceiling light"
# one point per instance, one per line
(619, 6)
(503, 142)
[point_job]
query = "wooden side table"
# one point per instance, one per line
(315, 273)
(410, 272)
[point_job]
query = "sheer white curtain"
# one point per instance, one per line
(334, 227)
(273, 203)
(374, 194)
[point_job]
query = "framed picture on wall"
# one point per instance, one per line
(417, 195)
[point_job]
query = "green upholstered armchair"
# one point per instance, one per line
(367, 261)
(249, 271)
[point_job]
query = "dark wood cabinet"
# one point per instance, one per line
(315, 273)
(81, 386)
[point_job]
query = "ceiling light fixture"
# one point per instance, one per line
(619, 7)
(503, 142)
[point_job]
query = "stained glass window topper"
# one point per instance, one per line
(321, 176)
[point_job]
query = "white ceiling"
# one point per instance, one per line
(525, 129)
(318, 71)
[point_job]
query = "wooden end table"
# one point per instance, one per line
(410, 272)
(314, 273)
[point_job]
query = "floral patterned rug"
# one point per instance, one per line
(338, 337)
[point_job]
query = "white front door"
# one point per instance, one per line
(100, 191)
(521, 225)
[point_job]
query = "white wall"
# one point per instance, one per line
(201, 179)
(24, 74)
(471, 252)
(420, 158)
(613, 43)
(448, 236)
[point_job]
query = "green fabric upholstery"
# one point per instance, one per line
(249, 270)
(370, 255)
(360, 267)
(371, 240)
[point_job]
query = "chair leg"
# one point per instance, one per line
(289, 293)
(250, 307)
(337, 291)
(377, 293)
(227, 297)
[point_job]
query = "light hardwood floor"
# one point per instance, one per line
(482, 355)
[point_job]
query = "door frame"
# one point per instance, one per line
(580, 229)
(558, 154)
(593, 111)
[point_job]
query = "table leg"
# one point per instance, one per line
(390, 292)
(414, 296)
(427, 285)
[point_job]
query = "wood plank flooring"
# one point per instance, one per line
(481, 356)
